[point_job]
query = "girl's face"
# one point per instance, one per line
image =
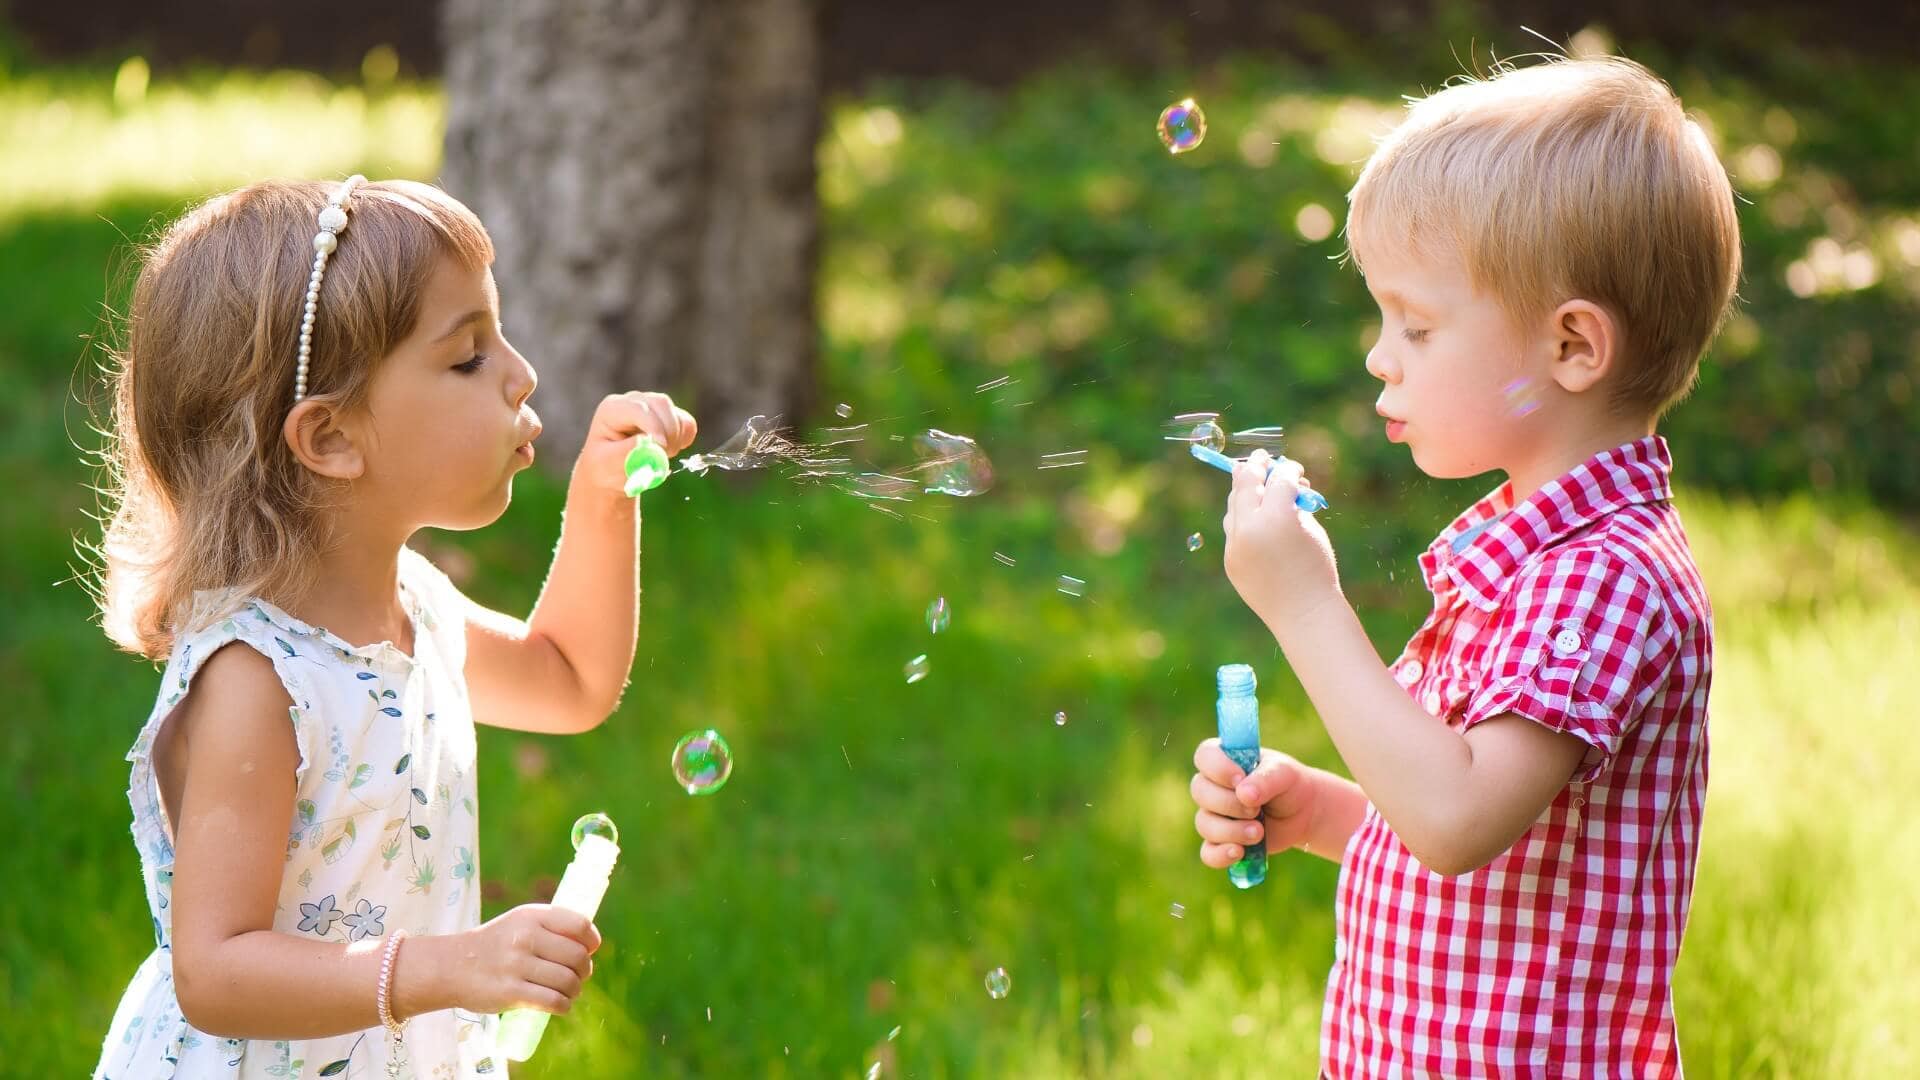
(1461, 380)
(448, 423)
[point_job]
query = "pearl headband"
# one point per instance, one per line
(333, 222)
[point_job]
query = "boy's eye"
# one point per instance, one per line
(1413, 335)
(479, 361)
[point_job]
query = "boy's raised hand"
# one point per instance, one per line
(1277, 801)
(1277, 556)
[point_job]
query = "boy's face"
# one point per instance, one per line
(448, 409)
(1462, 382)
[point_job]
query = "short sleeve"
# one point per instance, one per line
(1580, 647)
(442, 603)
(252, 627)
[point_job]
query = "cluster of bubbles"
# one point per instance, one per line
(947, 464)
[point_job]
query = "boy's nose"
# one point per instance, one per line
(1380, 367)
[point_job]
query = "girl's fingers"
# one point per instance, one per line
(1220, 856)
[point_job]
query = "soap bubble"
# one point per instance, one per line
(938, 615)
(843, 410)
(1201, 428)
(595, 825)
(1179, 911)
(1195, 541)
(916, 669)
(1060, 718)
(951, 464)
(1071, 585)
(702, 761)
(998, 983)
(1182, 126)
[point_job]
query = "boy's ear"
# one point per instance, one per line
(1587, 342)
(322, 439)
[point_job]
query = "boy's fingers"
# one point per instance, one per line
(1271, 782)
(1214, 764)
(1220, 800)
(1225, 830)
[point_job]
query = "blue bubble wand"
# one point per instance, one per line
(1307, 499)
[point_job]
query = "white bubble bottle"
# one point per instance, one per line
(596, 847)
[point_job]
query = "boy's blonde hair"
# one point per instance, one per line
(1570, 178)
(202, 491)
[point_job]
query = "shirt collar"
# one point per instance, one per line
(1493, 537)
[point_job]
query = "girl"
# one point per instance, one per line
(311, 373)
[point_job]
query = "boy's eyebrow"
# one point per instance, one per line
(476, 315)
(1392, 297)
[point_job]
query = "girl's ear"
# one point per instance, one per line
(322, 439)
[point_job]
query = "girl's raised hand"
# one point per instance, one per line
(621, 421)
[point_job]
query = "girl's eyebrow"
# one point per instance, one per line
(476, 315)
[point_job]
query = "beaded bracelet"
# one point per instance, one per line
(383, 1003)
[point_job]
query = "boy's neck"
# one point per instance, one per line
(1562, 454)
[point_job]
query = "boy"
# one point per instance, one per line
(1551, 250)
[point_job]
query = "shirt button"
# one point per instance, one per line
(1433, 702)
(1410, 673)
(1566, 642)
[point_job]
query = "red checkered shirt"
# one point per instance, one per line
(1579, 609)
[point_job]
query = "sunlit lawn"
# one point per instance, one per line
(882, 845)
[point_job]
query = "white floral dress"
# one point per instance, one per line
(384, 835)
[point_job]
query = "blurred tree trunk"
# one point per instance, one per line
(646, 169)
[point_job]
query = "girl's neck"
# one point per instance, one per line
(356, 596)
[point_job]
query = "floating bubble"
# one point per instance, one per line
(1060, 718)
(952, 464)
(595, 825)
(702, 761)
(1179, 911)
(1182, 126)
(873, 1073)
(843, 410)
(1065, 459)
(938, 615)
(759, 442)
(882, 486)
(1195, 541)
(1003, 560)
(1071, 585)
(1210, 435)
(916, 669)
(998, 983)
(894, 1034)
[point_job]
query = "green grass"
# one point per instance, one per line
(881, 846)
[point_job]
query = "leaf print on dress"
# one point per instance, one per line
(319, 918)
(365, 920)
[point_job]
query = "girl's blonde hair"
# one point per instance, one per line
(202, 491)
(1570, 178)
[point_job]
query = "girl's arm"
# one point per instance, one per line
(234, 975)
(563, 671)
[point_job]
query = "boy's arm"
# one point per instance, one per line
(1457, 801)
(563, 671)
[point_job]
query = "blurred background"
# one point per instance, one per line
(959, 217)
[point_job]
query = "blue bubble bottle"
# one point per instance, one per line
(1238, 712)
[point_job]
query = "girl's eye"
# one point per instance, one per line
(479, 361)
(1413, 335)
